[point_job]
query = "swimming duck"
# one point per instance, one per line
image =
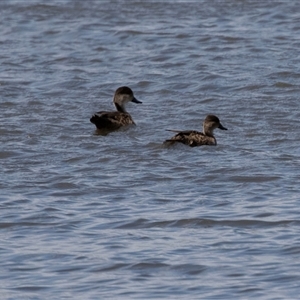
(196, 138)
(109, 121)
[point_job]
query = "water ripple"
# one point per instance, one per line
(123, 216)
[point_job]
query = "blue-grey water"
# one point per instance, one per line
(86, 216)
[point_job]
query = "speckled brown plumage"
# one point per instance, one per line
(111, 120)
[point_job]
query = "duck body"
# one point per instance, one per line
(113, 120)
(195, 138)
(192, 138)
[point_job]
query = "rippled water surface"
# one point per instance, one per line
(85, 216)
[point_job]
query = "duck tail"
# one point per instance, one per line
(173, 130)
(169, 142)
(94, 118)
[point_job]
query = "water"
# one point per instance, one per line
(123, 217)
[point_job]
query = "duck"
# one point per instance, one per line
(113, 120)
(194, 138)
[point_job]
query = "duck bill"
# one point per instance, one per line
(136, 100)
(222, 127)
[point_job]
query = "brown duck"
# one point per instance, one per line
(196, 138)
(113, 120)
